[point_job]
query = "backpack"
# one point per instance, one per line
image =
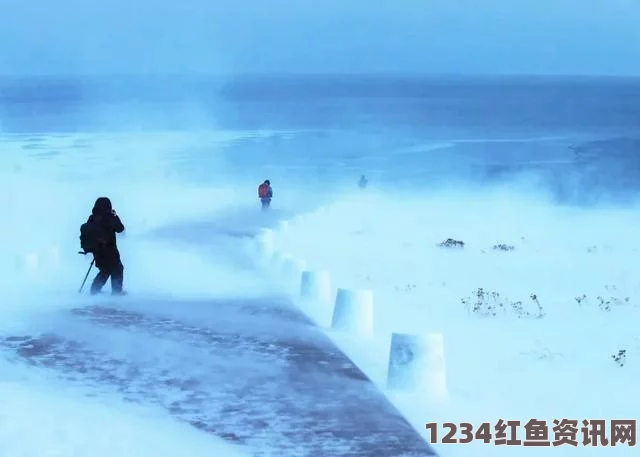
(263, 191)
(91, 236)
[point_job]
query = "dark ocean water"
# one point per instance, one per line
(581, 136)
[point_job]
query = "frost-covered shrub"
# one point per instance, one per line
(405, 289)
(490, 304)
(602, 302)
(620, 358)
(451, 243)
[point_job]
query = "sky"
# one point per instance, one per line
(594, 37)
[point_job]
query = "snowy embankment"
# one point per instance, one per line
(50, 184)
(535, 316)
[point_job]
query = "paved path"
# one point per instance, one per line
(253, 371)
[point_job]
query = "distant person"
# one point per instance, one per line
(265, 194)
(98, 237)
(363, 182)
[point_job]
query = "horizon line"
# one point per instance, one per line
(301, 74)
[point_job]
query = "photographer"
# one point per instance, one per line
(106, 224)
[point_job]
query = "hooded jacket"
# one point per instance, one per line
(103, 214)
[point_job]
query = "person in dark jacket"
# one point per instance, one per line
(107, 256)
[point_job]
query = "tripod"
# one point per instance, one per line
(88, 271)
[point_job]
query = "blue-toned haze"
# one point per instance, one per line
(283, 36)
(513, 126)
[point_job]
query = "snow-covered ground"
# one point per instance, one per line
(579, 264)
(49, 185)
(523, 363)
(50, 182)
(40, 418)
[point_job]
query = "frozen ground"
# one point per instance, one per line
(40, 418)
(203, 339)
(581, 265)
(49, 183)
